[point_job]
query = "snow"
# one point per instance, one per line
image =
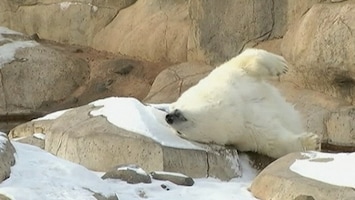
(65, 5)
(132, 115)
(170, 173)
(3, 141)
(8, 50)
(138, 170)
(38, 175)
(336, 169)
(39, 136)
(52, 116)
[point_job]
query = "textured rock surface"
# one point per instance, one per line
(278, 182)
(63, 21)
(173, 31)
(173, 81)
(33, 77)
(321, 46)
(7, 157)
(176, 178)
(159, 30)
(340, 127)
(132, 175)
(95, 143)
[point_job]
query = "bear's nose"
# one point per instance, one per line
(169, 118)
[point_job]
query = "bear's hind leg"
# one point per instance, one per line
(310, 141)
(260, 63)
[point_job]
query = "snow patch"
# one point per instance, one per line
(52, 116)
(65, 5)
(4, 30)
(332, 168)
(170, 173)
(137, 170)
(40, 136)
(94, 8)
(8, 50)
(39, 175)
(132, 115)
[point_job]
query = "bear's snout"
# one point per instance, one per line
(169, 118)
(175, 116)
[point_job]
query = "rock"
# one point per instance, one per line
(171, 31)
(158, 29)
(320, 47)
(93, 141)
(7, 158)
(278, 182)
(32, 140)
(131, 174)
(99, 196)
(340, 127)
(314, 107)
(30, 79)
(177, 178)
(215, 34)
(3, 197)
(63, 21)
(173, 81)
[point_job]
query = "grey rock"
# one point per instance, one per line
(177, 178)
(131, 174)
(7, 158)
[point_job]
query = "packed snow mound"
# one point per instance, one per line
(148, 120)
(331, 168)
(38, 174)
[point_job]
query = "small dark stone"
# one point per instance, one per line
(165, 187)
(304, 197)
(78, 50)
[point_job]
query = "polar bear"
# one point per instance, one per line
(233, 105)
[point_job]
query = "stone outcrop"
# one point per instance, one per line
(171, 82)
(7, 157)
(39, 76)
(159, 30)
(320, 47)
(97, 144)
(63, 21)
(278, 182)
(172, 31)
(129, 173)
(340, 127)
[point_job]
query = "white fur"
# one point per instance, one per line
(233, 105)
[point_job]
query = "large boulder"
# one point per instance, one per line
(279, 182)
(63, 21)
(221, 30)
(7, 157)
(34, 75)
(132, 134)
(158, 29)
(320, 47)
(173, 81)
